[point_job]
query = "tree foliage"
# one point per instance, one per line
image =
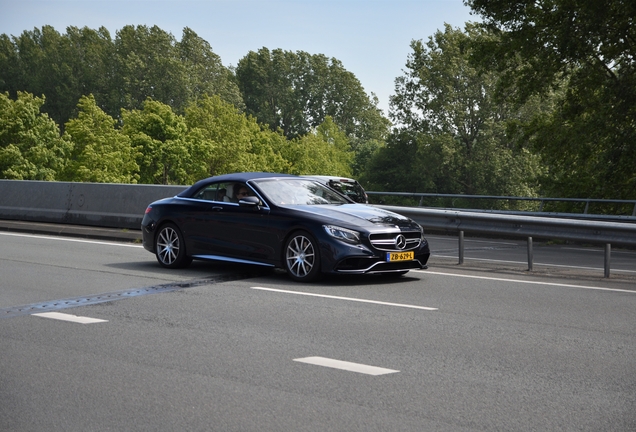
(323, 151)
(159, 136)
(101, 152)
(229, 141)
(205, 74)
(297, 91)
(30, 144)
(587, 50)
(540, 98)
(63, 68)
(451, 135)
(139, 63)
(155, 145)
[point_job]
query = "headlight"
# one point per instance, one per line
(343, 234)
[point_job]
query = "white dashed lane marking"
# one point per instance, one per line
(344, 365)
(346, 298)
(68, 317)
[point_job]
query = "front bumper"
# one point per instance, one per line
(362, 259)
(361, 265)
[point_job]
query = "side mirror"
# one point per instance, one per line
(249, 201)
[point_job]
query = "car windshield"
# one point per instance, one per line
(297, 192)
(350, 189)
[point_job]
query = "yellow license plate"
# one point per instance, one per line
(400, 256)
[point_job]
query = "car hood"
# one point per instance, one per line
(359, 215)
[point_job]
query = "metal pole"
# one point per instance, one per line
(608, 256)
(530, 254)
(461, 247)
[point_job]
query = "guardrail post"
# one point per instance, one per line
(461, 247)
(530, 254)
(608, 255)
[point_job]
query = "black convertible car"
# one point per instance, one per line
(284, 221)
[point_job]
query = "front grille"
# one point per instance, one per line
(387, 241)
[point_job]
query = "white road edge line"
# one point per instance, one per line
(345, 298)
(526, 282)
(538, 264)
(344, 365)
(600, 251)
(71, 240)
(68, 317)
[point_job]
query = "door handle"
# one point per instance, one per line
(217, 208)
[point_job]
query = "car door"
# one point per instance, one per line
(227, 229)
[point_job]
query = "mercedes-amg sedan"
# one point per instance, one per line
(283, 221)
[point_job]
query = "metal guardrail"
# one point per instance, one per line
(122, 206)
(453, 221)
(540, 200)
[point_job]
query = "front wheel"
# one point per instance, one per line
(302, 257)
(170, 247)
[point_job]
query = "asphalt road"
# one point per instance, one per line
(483, 346)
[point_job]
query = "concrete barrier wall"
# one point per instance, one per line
(93, 204)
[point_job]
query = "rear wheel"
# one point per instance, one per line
(170, 247)
(302, 257)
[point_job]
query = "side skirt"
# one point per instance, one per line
(234, 260)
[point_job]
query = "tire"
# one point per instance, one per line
(170, 247)
(302, 257)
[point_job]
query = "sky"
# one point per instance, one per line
(370, 37)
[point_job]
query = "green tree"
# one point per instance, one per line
(159, 138)
(141, 62)
(11, 76)
(587, 50)
(101, 153)
(205, 74)
(295, 92)
(149, 66)
(152, 64)
(30, 144)
(62, 67)
(226, 140)
(323, 151)
(452, 136)
(43, 70)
